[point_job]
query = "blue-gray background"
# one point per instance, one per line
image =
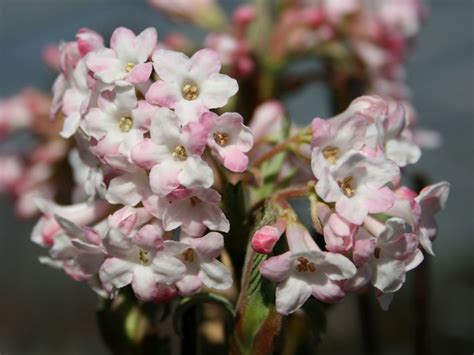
(42, 311)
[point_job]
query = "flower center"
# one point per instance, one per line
(180, 153)
(377, 252)
(190, 91)
(125, 124)
(143, 256)
(221, 138)
(194, 201)
(188, 255)
(304, 265)
(347, 187)
(129, 67)
(330, 154)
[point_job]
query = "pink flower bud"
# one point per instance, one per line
(243, 15)
(266, 237)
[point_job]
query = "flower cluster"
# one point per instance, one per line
(128, 173)
(147, 147)
(360, 208)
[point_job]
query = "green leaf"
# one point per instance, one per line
(257, 322)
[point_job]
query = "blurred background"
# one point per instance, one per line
(44, 312)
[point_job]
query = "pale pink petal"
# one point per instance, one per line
(170, 66)
(144, 284)
(189, 285)
(71, 125)
(291, 295)
(363, 250)
(235, 160)
(389, 275)
(216, 91)
(327, 291)
(378, 201)
(351, 209)
(196, 174)
(140, 73)
(414, 260)
(215, 275)
(167, 268)
(122, 42)
(204, 63)
(209, 246)
(123, 190)
(164, 178)
(116, 272)
(145, 43)
(277, 268)
(145, 154)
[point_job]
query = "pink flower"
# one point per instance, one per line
(233, 52)
(431, 199)
(398, 147)
(265, 238)
(88, 176)
(385, 253)
(11, 170)
(192, 210)
(268, 120)
(126, 61)
(357, 186)
(338, 232)
(404, 16)
(76, 99)
(202, 268)
(70, 54)
(77, 250)
(81, 214)
(334, 138)
(190, 86)
(230, 139)
(197, 11)
(130, 186)
(137, 257)
(117, 123)
(173, 153)
(305, 271)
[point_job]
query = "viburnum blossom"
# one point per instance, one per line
(305, 270)
(137, 257)
(126, 61)
(191, 86)
(202, 268)
(173, 154)
(162, 157)
(230, 139)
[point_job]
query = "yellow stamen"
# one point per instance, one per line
(221, 138)
(304, 265)
(190, 92)
(346, 186)
(143, 257)
(125, 124)
(188, 255)
(129, 67)
(180, 153)
(330, 154)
